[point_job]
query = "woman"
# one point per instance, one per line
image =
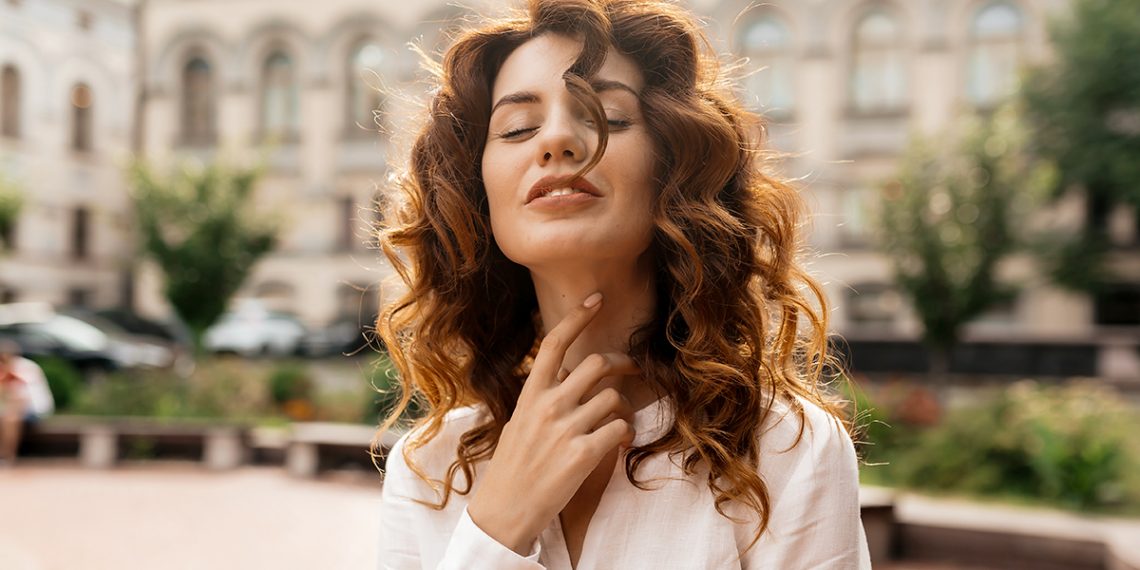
(25, 398)
(602, 316)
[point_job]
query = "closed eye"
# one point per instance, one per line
(516, 133)
(614, 124)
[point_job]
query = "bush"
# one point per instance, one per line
(218, 389)
(64, 380)
(886, 420)
(134, 394)
(386, 385)
(1065, 445)
(290, 382)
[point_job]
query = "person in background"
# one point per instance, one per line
(24, 398)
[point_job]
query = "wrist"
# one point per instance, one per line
(511, 529)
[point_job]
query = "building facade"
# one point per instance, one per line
(847, 82)
(320, 94)
(66, 118)
(313, 93)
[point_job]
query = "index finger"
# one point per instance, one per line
(552, 350)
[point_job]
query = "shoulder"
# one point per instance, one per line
(800, 435)
(812, 476)
(436, 455)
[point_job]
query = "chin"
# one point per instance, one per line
(532, 257)
(567, 244)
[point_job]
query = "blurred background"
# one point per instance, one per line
(188, 190)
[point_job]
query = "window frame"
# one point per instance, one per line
(977, 42)
(778, 61)
(11, 100)
(893, 51)
(82, 118)
(355, 85)
(207, 134)
(289, 130)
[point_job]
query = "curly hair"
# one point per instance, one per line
(727, 337)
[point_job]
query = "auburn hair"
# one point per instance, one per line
(726, 339)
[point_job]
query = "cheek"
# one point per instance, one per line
(496, 184)
(639, 168)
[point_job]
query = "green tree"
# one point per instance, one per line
(1084, 110)
(11, 202)
(948, 220)
(197, 225)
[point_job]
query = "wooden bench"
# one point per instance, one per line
(313, 444)
(103, 441)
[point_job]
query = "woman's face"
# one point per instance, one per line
(540, 135)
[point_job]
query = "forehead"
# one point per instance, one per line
(539, 63)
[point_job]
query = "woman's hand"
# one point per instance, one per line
(553, 440)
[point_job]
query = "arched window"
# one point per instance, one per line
(363, 78)
(197, 102)
(81, 113)
(768, 44)
(10, 102)
(279, 97)
(878, 79)
(995, 53)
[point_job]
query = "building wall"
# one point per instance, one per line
(843, 153)
(840, 152)
(54, 45)
(323, 181)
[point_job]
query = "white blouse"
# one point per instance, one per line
(814, 521)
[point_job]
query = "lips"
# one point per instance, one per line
(548, 184)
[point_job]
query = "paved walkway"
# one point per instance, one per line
(173, 517)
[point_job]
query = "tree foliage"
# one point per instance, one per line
(11, 202)
(1084, 107)
(1084, 110)
(197, 224)
(952, 214)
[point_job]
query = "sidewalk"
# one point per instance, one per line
(174, 517)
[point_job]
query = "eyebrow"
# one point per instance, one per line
(525, 97)
(601, 85)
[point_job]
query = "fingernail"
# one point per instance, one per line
(592, 300)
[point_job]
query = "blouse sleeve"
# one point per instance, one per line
(410, 532)
(815, 517)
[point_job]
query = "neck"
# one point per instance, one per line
(629, 300)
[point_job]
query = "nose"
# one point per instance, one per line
(561, 138)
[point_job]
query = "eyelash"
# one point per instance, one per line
(614, 124)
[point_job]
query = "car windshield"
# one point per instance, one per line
(73, 332)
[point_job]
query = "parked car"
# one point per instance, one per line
(42, 332)
(254, 332)
(345, 336)
(171, 333)
(172, 330)
(134, 350)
